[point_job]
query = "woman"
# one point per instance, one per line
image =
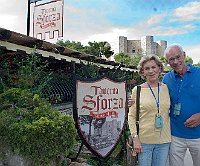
(152, 143)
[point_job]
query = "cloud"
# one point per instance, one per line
(155, 19)
(111, 37)
(189, 12)
(7, 21)
(13, 7)
(193, 52)
(139, 30)
(13, 15)
(83, 22)
(171, 30)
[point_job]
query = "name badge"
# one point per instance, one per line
(177, 109)
(158, 121)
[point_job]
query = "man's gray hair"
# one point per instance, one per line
(171, 46)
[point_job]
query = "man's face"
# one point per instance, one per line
(176, 59)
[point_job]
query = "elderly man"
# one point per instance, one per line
(184, 88)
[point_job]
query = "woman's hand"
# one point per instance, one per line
(137, 145)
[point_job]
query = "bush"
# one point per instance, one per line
(32, 129)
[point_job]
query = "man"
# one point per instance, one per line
(184, 88)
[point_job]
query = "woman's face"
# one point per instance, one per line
(151, 71)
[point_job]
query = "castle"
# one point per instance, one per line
(144, 46)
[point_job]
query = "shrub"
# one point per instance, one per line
(33, 129)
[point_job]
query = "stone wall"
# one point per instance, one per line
(144, 46)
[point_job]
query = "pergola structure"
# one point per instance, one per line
(12, 43)
(17, 45)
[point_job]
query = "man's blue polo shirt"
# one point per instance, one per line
(187, 92)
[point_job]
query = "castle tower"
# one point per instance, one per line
(147, 45)
(162, 45)
(122, 44)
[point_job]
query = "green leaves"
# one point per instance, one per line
(98, 49)
(33, 129)
(126, 59)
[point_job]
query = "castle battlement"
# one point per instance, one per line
(144, 46)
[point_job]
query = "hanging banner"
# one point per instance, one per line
(99, 112)
(48, 18)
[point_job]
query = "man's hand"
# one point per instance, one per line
(193, 121)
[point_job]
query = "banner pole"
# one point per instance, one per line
(28, 18)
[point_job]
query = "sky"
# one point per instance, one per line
(176, 21)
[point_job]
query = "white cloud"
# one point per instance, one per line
(140, 30)
(170, 31)
(80, 23)
(155, 19)
(193, 52)
(188, 12)
(112, 38)
(13, 15)
(8, 21)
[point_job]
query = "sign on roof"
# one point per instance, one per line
(48, 18)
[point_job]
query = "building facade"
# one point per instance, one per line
(144, 46)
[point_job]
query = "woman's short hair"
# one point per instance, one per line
(147, 58)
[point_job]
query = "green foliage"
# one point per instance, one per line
(126, 59)
(5, 75)
(87, 71)
(33, 74)
(123, 58)
(163, 59)
(94, 48)
(188, 60)
(29, 126)
(32, 129)
(198, 64)
(99, 49)
(25, 72)
(72, 45)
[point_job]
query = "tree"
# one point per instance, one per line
(198, 64)
(122, 58)
(165, 63)
(126, 59)
(72, 45)
(163, 59)
(188, 60)
(94, 48)
(136, 59)
(99, 49)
